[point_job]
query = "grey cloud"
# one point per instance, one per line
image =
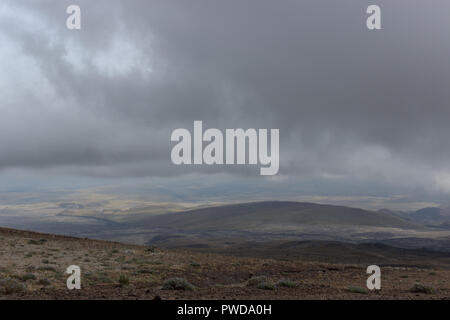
(350, 104)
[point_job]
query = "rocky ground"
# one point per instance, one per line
(32, 266)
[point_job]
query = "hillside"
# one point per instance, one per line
(219, 225)
(337, 252)
(275, 215)
(437, 217)
(431, 216)
(32, 266)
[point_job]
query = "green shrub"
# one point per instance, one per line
(124, 280)
(145, 271)
(177, 284)
(357, 290)
(10, 286)
(261, 282)
(287, 283)
(421, 288)
(37, 242)
(256, 281)
(44, 282)
(266, 286)
(28, 276)
(47, 268)
(104, 279)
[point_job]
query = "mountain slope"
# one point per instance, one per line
(251, 216)
(431, 216)
(33, 265)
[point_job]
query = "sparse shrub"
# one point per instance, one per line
(137, 261)
(359, 290)
(28, 276)
(124, 280)
(127, 268)
(261, 282)
(45, 261)
(10, 286)
(104, 279)
(28, 255)
(44, 282)
(177, 284)
(30, 268)
(47, 268)
(287, 283)
(195, 264)
(256, 281)
(421, 288)
(37, 242)
(59, 276)
(151, 249)
(266, 286)
(145, 271)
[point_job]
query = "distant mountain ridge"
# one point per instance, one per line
(257, 215)
(430, 216)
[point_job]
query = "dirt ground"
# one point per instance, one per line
(32, 266)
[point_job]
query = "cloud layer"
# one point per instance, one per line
(351, 104)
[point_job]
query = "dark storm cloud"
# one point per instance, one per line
(349, 103)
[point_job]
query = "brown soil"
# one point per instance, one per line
(214, 276)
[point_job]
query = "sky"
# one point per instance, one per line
(361, 113)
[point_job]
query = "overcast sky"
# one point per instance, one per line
(359, 111)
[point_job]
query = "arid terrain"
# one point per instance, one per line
(32, 266)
